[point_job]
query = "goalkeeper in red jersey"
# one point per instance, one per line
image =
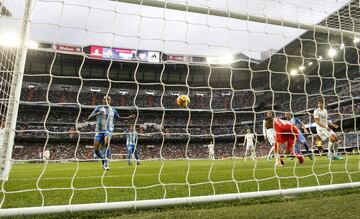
(285, 133)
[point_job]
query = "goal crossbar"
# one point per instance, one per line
(169, 202)
(241, 16)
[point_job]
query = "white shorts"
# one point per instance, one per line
(211, 151)
(324, 134)
(248, 147)
(270, 135)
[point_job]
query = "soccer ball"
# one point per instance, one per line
(183, 100)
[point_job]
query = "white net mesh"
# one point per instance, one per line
(144, 56)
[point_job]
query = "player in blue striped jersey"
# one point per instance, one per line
(131, 142)
(301, 141)
(105, 115)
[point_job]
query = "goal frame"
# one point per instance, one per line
(143, 204)
(15, 92)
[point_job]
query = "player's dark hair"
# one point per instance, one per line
(320, 99)
(269, 122)
(269, 119)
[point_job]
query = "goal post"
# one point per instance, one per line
(193, 153)
(16, 72)
(145, 204)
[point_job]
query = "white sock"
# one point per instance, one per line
(330, 148)
(271, 150)
(336, 146)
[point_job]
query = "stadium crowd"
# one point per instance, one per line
(68, 118)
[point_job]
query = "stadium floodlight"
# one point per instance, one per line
(96, 90)
(33, 44)
(152, 93)
(342, 46)
(332, 52)
(225, 93)
(220, 60)
(175, 93)
(293, 72)
(356, 39)
(123, 92)
(310, 63)
(226, 59)
(302, 68)
(9, 39)
(210, 60)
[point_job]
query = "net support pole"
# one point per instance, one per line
(15, 91)
(169, 202)
(240, 16)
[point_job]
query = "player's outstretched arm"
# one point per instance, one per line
(118, 133)
(125, 117)
(303, 127)
(94, 113)
(335, 126)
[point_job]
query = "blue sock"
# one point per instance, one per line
(105, 160)
(136, 155)
(129, 154)
(100, 155)
(297, 148)
(306, 146)
(108, 153)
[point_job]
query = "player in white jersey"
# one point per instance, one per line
(250, 147)
(269, 134)
(105, 116)
(131, 142)
(211, 150)
(46, 154)
(324, 131)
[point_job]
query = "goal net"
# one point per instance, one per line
(89, 113)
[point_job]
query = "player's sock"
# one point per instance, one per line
(129, 156)
(335, 146)
(297, 148)
(253, 154)
(100, 155)
(108, 152)
(330, 148)
(306, 146)
(136, 156)
(270, 152)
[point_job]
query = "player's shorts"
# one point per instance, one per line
(130, 147)
(211, 152)
(270, 135)
(324, 134)
(289, 139)
(100, 136)
(248, 147)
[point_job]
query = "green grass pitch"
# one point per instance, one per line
(85, 182)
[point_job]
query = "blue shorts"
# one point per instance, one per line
(100, 136)
(130, 147)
